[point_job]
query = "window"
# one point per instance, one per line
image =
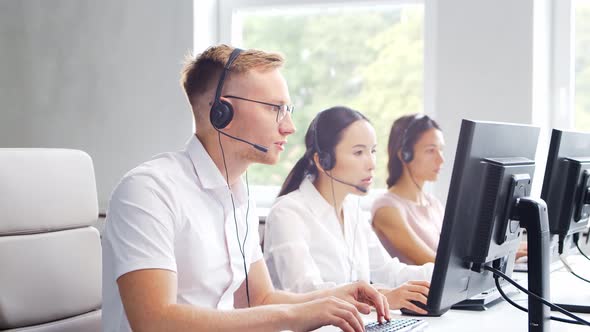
(582, 64)
(367, 58)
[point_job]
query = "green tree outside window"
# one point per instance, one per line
(367, 59)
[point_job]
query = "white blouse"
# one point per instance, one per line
(306, 249)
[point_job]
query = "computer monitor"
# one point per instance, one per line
(566, 186)
(486, 207)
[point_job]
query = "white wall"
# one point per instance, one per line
(12, 117)
(101, 76)
(483, 66)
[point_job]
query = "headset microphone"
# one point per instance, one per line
(359, 188)
(256, 146)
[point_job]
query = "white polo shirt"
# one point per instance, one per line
(174, 212)
(305, 248)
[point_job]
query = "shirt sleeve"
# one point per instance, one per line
(139, 230)
(254, 238)
(390, 272)
(287, 252)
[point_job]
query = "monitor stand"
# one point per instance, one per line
(486, 299)
(532, 215)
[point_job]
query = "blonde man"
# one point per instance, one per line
(176, 253)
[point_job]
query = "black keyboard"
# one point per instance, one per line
(399, 325)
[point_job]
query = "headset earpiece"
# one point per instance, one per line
(407, 152)
(222, 112)
(407, 156)
(325, 158)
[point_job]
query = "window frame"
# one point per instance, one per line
(227, 8)
(562, 70)
(227, 30)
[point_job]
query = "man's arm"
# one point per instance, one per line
(262, 292)
(149, 299)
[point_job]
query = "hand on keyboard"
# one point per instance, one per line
(330, 310)
(421, 312)
(397, 325)
(408, 294)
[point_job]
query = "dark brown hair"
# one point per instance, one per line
(406, 131)
(328, 126)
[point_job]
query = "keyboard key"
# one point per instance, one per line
(398, 325)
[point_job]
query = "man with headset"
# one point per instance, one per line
(177, 251)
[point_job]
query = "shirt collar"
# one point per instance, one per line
(207, 172)
(316, 202)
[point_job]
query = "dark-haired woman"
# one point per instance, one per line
(315, 235)
(408, 220)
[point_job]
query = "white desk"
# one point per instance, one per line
(505, 318)
(501, 317)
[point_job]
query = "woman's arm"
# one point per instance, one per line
(390, 222)
(401, 296)
(389, 271)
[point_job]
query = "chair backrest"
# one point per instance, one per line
(50, 257)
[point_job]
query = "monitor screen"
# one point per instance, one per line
(566, 184)
(493, 167)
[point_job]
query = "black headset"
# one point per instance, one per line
(407, 152)
(326, 158)
(220, 116)
(221, 111)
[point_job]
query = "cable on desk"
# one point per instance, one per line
(514, 304)
(569, 268)
(581, 252)
(496, 272)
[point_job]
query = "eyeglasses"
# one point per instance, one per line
(281, 110)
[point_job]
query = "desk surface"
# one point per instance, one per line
(504, 317)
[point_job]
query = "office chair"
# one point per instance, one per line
(50, 257)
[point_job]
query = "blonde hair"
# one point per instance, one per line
(201, 73)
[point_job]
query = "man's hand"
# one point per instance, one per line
(363, 296)
(401, 296)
